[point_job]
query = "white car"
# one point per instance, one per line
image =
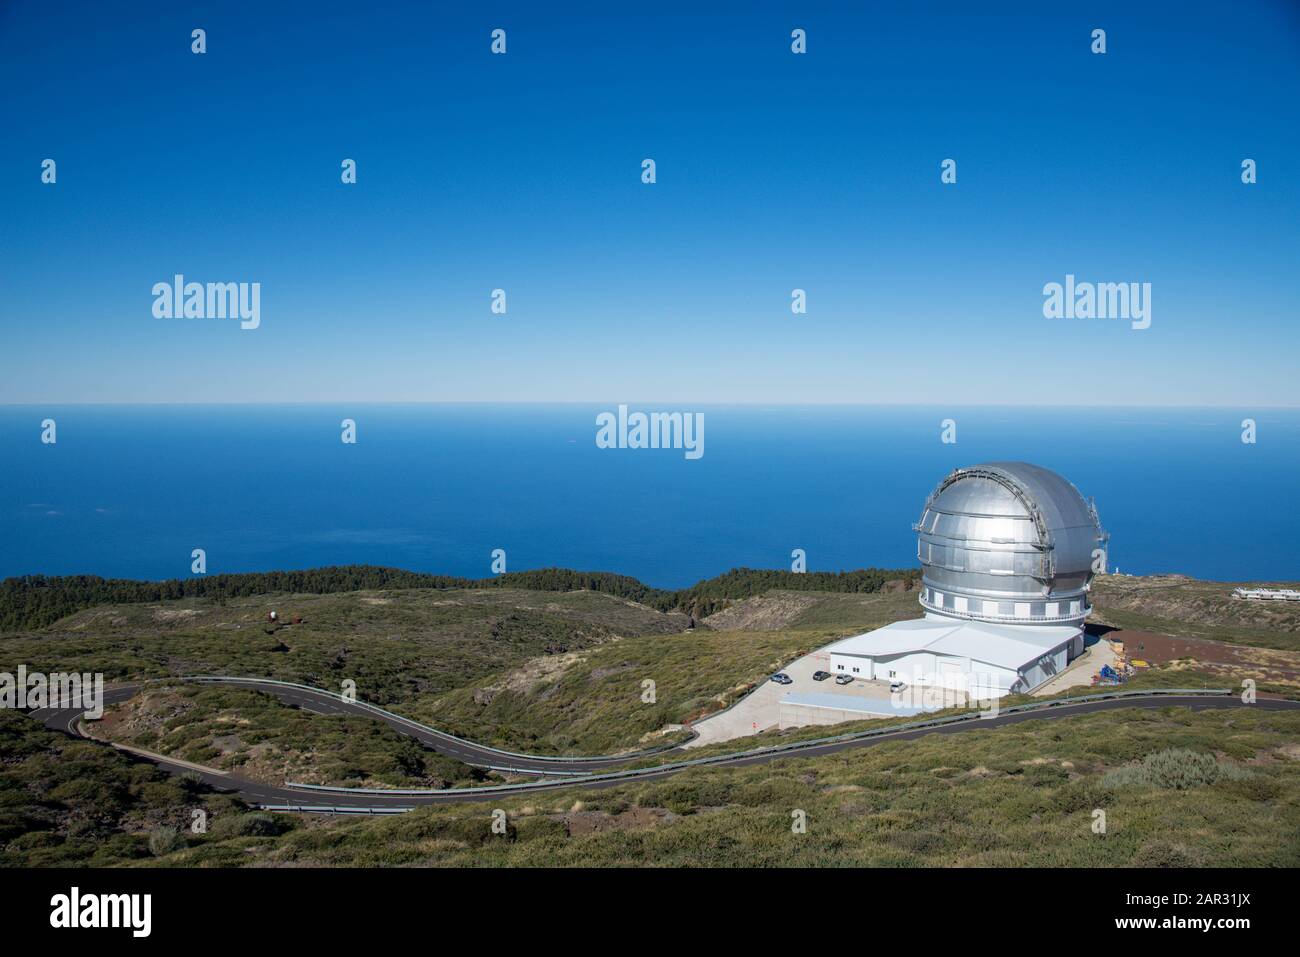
(896, 685)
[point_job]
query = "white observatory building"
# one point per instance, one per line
(1008, 551)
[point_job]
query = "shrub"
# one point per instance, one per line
(1079, 796)
(257, 824)
(1174, 768)
(1254, 787)
(1166, 854)
(164, 840)
(536, 827)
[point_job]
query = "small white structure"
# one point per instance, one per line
(1267, 594)
(983, 660)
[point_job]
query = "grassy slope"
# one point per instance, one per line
(395, 645)
(1022, 795)
(258, 738)
(1185, 607)
(427, 652)
(453, 658)
(594, 705)
(67, 802)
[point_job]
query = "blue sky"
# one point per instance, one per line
(775, 171)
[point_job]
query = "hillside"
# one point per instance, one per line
(1178, 788)
(257, 738)
(565, 672)
(1177, 605)
(35, 601)
(396, 645)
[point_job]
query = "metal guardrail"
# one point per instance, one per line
(410, 722)
(792, 747)
(329, 809)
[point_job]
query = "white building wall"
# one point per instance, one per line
(858, 666)
(1045, 667)
(952, 671)
(915, 668)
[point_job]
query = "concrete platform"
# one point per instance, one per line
(761, 709)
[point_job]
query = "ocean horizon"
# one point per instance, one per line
(130, 491)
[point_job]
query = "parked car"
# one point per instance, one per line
(821, 675)
(895, 685)
(844, 679)
(782, 678)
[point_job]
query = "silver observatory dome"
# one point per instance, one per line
(1008, 542)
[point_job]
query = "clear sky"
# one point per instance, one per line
(775, 171)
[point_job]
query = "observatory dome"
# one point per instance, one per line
(1008, 542)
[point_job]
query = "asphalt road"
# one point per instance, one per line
(478, 755)
(266, 794)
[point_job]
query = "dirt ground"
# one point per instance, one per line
(1264, 664)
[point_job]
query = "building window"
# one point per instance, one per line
(855, 671)
(893, 674)
(841, 667)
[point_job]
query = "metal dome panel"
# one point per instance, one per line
(1007, 542)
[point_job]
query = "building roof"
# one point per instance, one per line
(1006, 646)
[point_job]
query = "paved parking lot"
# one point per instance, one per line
(762, 708)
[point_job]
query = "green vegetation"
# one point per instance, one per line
(261, 739)
(715, 594)
(548, 669)
(34, 601)
(1176, 768)
(66, 802)
(395, 645)
(593, 703)
(1022, 795)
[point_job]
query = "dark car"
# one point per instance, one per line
(782, 678)
(821, 675)
(844, 679)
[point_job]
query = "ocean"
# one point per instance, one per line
(130, 491)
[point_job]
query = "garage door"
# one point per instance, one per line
(952, 674)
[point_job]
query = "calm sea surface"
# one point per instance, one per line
(130, 491)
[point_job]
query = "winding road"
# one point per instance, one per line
(587, 772)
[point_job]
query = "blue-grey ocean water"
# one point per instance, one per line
(130, 491)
